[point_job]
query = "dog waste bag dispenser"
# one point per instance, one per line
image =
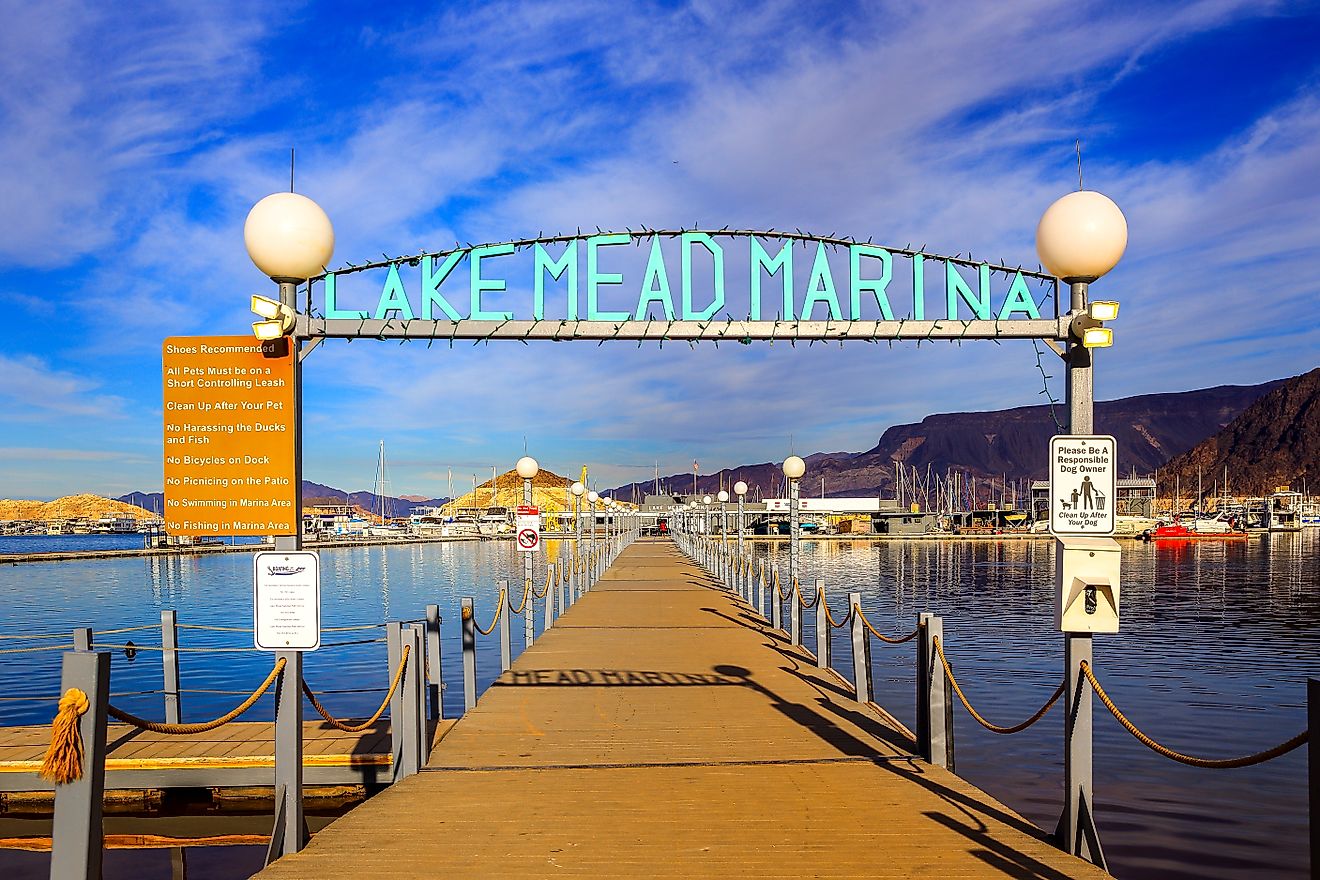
(1087, 577)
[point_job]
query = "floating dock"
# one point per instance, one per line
(662, 728)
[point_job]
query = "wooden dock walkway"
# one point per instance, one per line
(661, 729)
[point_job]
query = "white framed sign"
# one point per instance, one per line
(1083, 480)
(286, 600)
(527, 528)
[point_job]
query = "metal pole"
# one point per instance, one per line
(577, 545)
(1313, 768)
(288, 715)
(505, 612)
(549, 596)
(76, 833)
(434, 677)
(793, 530)
(527, 560)
(393, 657)
(289, 827)
(562, 589)
(822, 627)
(1079, 834)
(169, 656)
(469, 655)
(939, 745)
(418, 673)
(414, 702)
(861, 651)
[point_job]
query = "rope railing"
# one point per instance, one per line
(35, 648)
(807, 605)
(229, 629)
(779, 590)
(499, 609)
(891, 640)
(202, 726)
(527, 593)
(980, 719)
(1190, 760)
(829, 618)
(339, 724)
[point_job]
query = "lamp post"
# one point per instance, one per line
(740, 489)
(592, 498)
(706, 527)
(794, 467)
(290, 239)
(723, 498)
(1081, 237)
(578, 491)
(527, 468)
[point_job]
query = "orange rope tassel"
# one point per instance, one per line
(63, 761)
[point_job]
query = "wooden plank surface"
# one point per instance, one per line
(237, 744)
(661, 729)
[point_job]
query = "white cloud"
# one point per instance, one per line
(32, 389)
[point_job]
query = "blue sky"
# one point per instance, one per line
(134, 138)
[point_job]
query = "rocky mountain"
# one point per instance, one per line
(1273, 442)
(1010, 444)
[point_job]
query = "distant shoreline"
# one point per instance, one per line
(208, 549)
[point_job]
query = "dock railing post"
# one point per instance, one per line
(434, 673)
(861, 651)
(822, 627)
(923, 684)
(1080, 835)
(776, 604)
(290, 832)
(938, 747)
(169, 659)
(469, 655)
(1313, 768)
(760, 589)
(506, 632)
(393, 656)
(76, 831)
(529, 614)
(82, 638)
(562, 589)
(795, 612)
(412, 719)
(549, 597)
(418, 673)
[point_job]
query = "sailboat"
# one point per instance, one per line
(383, 508)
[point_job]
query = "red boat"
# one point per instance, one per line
(1193, 529)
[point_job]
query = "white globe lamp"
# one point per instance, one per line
(577, 489)
(1081, 236)
(723, 496)
(527, 467)
(794, 467)
(740, 488)
(289, 237)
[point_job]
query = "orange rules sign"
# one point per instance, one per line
(229, 436)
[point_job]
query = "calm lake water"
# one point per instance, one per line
(1217, 642)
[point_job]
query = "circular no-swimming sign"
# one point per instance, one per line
(528, 539)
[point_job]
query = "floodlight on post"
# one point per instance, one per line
(1080, 238)
(290, 239)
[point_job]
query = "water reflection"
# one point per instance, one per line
(1216, 644)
